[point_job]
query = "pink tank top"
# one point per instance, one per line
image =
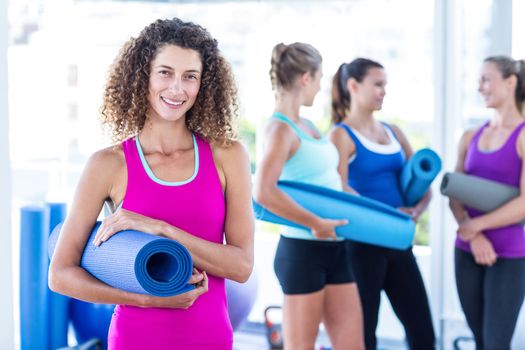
(197, 206)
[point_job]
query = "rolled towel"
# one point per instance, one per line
(369, 221)
(477, 192)
(136, 262)
(417, 175)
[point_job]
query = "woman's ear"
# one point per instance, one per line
(352, 85)
(512, 82)
(305, 78)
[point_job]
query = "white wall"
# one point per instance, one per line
(6, 292)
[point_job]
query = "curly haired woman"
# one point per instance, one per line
(170, 102)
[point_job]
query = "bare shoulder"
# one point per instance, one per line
(106, 169)
(339, 134)
(467, 136)
(109, 158)
(230, 155)
(520, 145)
(277, 129)
(397, 131)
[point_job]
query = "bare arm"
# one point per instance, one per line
(458, 210)
(481, 247)
(280, 145)
(66, 276)
(346, 149)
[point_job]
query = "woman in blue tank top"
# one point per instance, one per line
(371, 156)
(490, 247)
(311, 265)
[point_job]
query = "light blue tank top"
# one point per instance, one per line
(315, 162)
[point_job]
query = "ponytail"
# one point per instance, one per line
(291, 61)
(340, 94)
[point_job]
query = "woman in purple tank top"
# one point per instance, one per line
(176, 171)
(490, 247)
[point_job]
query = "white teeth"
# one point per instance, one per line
(170, 102)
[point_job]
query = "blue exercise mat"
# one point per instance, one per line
(137, 262)
(34, 230)
(369, 221)
(417, 175)
(58, 304)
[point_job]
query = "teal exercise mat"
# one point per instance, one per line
(369, 221)
(417, 175)
(136, 262)
(476, 192)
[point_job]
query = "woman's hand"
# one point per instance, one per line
(413, 212)
(325, 228)
(184, 300)
(468, 229)
(124, 219)
(483, 250)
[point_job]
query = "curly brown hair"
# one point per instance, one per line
(125, 102)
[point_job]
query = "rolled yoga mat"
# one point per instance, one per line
(34, 230)
(417, 175)
(369, 221)
(476, 192)
(58, 304)
(137, 262)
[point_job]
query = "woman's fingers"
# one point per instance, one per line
(196, 277)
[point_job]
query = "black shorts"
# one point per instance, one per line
(306, 266)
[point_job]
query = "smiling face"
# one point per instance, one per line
(370, 92)
(174, 82)
(494, 89)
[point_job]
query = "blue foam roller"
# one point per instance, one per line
(417, 175)
(137, 262)
(34, 230)
(58, 305)
(91, 321)
(369, 221)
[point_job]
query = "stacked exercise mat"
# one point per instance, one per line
(369, 221)
(43, 313)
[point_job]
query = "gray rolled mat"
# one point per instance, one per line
(476, 192)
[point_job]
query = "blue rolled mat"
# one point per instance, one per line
(34, 230)
(417, 175)
(58, 305)
(137, 262)
(369, 221)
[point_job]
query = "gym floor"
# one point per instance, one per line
(249, 340)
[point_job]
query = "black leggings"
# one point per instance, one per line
(491, 298)
(396, 272)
